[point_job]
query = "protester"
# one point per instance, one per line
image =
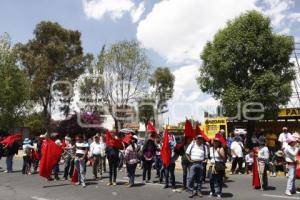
(217, 160)
(149, 150)
(249, 162)
(237, 155)
(95, 149)
(169, 171)
(197, 154)
(271, 138)
(283, 137)
(27, 150)
(69, 150)
(158, 164)
(58, 143)
(112, 153)
(185, 163)
(230, 140)
(263, 161)
(291, 152)
(80, 155)
(103, 153)
(131, 159)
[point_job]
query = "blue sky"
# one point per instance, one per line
(172, 31)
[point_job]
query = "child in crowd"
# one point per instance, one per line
(249, 162)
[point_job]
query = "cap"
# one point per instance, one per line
(284, 128)
(291, 140)
(199, 137)
(68, 138)
(135, 137)
(222, 131)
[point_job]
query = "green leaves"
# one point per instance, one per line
(247, 62)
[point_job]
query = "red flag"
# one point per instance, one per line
(166, 150)
(127, 139)
(221, 138)
(11, 139)
(51, 153)
(188, 130)
(199, 131)
(151, 128)
(255, 178)
(113, 142)
(74, 178)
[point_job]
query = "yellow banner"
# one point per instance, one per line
(289, 112)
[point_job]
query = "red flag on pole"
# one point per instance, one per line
(151, 129)
(113, 142)
(74, 178)
(221, 138)
(127, 139)
(166, 150)
(255, 178)
(188, 130)
(199, 131)
(11, 139)
(51, 153)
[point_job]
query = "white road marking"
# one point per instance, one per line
(38, 198)
(281, 197)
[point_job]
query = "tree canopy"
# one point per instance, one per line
(247, 62)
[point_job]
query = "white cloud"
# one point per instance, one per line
(188, 100)
(115, 9)
(178, 29)
(137, 12)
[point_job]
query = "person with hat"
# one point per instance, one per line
(27, 149)
(197, 154)
(217, 160)
(131, 158)
(291, 151)
(69, 157)
(278, 163)
(80, 156)
(263, 157)
(283, 137)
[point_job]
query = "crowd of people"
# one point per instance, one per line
(201, 159)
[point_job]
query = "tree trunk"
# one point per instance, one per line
(250, 131)
(46, 118)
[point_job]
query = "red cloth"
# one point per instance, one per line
(166, 150)
(151, 129)
(11, 139)
(74, 178)
(255, 178)
(221, 139)
(127, 139)
(113, 142)
(201, 132)
(35, 155)
(188, 130)
(51, 153)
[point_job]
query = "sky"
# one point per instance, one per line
(173, 32)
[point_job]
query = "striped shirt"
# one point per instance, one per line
(81, 148)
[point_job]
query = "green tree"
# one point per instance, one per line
(247, 62)
(122, 74)
(14, 87)
(146, 110)
(162, 80)
(54, 54)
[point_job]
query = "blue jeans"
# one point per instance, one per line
(196, 172)
(80, 166)
(291, 187)
(131, 172)
(9, 163)
(216, 183)
(158, 164)
(170, 170)
(186, 171)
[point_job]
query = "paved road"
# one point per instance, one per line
(16, 186)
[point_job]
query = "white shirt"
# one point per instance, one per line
(97, 148)
(196, 152)
(290, 153)
(249, 159)
(283, 138)
(214, 156)
(237, 147)
(263, 154)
